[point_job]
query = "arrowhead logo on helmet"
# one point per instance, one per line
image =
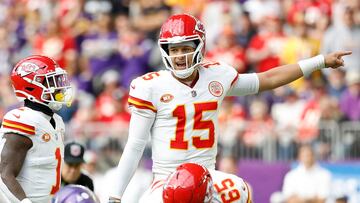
(175, 28)
(27, 68)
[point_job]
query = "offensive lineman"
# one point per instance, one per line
(193, 183)
(31, 137)
(178, 107)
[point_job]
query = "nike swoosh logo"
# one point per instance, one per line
(16, 116)
(132, 86)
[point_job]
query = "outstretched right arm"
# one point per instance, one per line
(12, 158)
(285, 74)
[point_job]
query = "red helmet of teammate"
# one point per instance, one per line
(40, 79)
(182, 29)
(190, 183)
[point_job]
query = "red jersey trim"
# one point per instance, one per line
(249, 194)
(234, 80)
(28, 129)
(157, 184)
(141, 104)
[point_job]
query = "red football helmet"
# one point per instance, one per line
(182, 28)
(40, 79)
(190, 183)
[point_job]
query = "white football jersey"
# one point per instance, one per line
(40, 174)
(186, 118)
(229, 188)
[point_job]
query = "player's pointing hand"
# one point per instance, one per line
(334, 60)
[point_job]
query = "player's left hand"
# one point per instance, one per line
(334, 60)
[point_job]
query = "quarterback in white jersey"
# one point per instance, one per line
(178, 107)
(31, 137)
(185, 128)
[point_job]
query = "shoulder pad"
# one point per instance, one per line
(141, 91)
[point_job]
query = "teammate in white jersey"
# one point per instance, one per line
(178, 107)
(192, 183)
(31, 137)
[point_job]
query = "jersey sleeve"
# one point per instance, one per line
(231, 75)
(15, 121)
(244, 84)
(239, 84)
(140, 98)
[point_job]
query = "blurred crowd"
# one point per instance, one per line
(104, 44)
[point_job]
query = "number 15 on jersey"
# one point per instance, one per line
(179, 112)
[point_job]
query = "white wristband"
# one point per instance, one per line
(310, 65)
(26, 200)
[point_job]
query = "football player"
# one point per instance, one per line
(75, 194)
(31, 137)
(192, 183)
(178, 107)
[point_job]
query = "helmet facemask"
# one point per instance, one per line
(197, 57)
(56, 89)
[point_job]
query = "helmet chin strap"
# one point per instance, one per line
(54, 106)
(184, 73)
